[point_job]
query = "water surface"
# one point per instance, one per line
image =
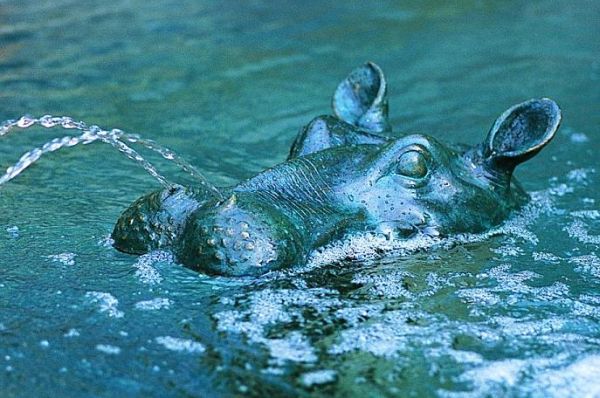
(227, 85)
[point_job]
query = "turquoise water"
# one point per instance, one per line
(227, 85)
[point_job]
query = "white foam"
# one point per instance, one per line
(579, 379)
(557, 376)
(318, 377)
(579, 138)
(580, 176)
(508, 281)
(509, 249)
(579, 308)
(587, 263)
(108, 349)
(389, 334)
(578, 230)
(269, 307)
(63, 258)
(590, 299)
(507, 372)
(353, 316)
(154, 304)
(523, 328)
(367, 247)
(586, 214)
(13, 231)
(106, 241)
(145, 270)
(390, 285)
(545, 257)
(294, 347)
(561, 190)
(72, 333)
(180, 345)
(479, 296)
(107, 303)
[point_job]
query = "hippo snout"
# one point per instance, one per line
(241, 236)
(155, 220)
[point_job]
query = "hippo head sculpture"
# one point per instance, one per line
(344, 176)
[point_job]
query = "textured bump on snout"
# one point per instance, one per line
(233, 240)
(154, 220)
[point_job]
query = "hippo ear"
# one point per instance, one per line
(361, 99)
(520, 133)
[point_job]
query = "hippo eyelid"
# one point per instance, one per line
(415, 170)
(415, 148)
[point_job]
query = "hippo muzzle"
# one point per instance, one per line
(343, 177)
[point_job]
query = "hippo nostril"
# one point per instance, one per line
(431, 231)
(396, 229)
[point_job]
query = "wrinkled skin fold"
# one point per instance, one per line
(343, 176)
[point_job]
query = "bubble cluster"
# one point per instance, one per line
(180, 345)
(13, 231)
(154, 304)
(107, 303)
(108, 349)
(63, 258)
(144, 266)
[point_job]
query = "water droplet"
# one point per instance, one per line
(68, 123)
(47, 121)
(25, 121)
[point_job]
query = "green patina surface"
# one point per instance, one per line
(342, 178)
(511, 311)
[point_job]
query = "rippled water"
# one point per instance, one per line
(226, 86)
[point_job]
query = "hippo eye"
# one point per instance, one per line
(412, 164)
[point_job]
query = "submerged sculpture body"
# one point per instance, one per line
(343, 177)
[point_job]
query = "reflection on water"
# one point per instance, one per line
(515, 312)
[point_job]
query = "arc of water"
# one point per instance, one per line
(90, 134)
(57, 143)
(172, 156)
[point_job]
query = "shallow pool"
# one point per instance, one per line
(227, 85)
